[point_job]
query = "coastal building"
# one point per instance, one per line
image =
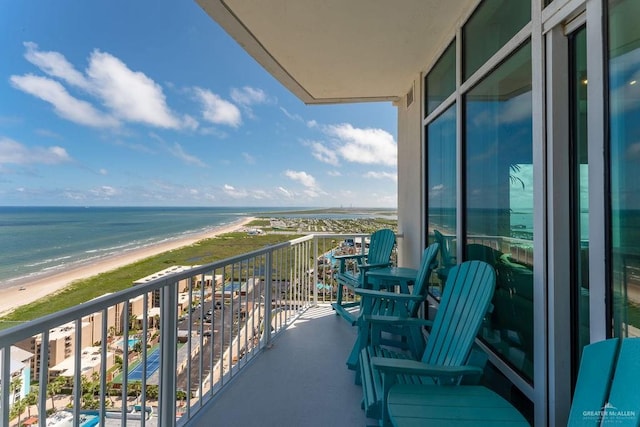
(183, 286)
(517, 144)
(19, 370)
(91, 361)
(95, 323)
(61, 345)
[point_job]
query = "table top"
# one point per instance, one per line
(393, 272)
(412, 405)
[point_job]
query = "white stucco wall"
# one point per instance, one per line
(410, 180)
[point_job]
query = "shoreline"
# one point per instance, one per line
(19, 294)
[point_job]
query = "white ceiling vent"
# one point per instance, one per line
(410, 97)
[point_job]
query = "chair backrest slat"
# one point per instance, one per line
(624, 399)
(381, 246)
(594, 381)
(421, 285)
(463, 305)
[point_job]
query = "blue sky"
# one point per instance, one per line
(140, 103)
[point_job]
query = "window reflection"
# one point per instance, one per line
(624, 109)
(490, 27)
(441, 80)
(579, 195)
(499, 202)
(441, 184)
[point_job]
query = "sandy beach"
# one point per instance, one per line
(24, 293)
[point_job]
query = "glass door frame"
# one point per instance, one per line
(565, 18)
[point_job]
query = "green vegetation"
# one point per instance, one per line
(202, 252)
(259, 223)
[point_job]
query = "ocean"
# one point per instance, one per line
(41, 240)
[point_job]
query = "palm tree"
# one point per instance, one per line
(54, 388)
(15, 385)
(133, 323)
(18, 406)
(30, 400)
(17, 409)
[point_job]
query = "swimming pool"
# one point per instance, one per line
(131, 342)
(232, 287)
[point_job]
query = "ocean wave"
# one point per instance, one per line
(100, 242)
(48, 261)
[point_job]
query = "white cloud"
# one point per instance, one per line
(189, 122)
(55, 65)
(216, 110)
(178, 151)
(368, 146)
(382, 175)
(248, 96)
(233, 192)
(103, 172)
(516, 109)
(15, 153)
(105, 192)
(295, 117)
(47, 133)
(323, 153)
(334, 173)
(74, 195)
(312, 124)
(260, 195)
(249, 158)
(129, 95)
(302, 177)
(311, 189)
(286, 192)
(65, 105)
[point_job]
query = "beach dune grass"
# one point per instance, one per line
(202, 252)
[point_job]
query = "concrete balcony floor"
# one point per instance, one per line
(302, 380)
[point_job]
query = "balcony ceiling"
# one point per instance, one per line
(331, 51)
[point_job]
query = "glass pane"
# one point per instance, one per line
(441, 80)
(442, 183)
(624, 133)
(490, 27)
(580, 192)
(499, 202)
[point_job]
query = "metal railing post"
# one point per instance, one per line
(44, 375)
(316, 277)
(6, 385)
(168, 343)
(267, 300)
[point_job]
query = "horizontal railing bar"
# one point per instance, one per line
(281, 283)
(28, 329)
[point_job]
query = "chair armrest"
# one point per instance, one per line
(373, 294)
(370, 266)
(351, 256)
(396, 320)
(414, 367)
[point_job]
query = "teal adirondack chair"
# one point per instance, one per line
(445, 361)
(606, 394)
(448, 259)
(379, 255)
(395, 304)
(608, 385)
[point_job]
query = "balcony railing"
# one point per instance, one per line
(158, 352)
